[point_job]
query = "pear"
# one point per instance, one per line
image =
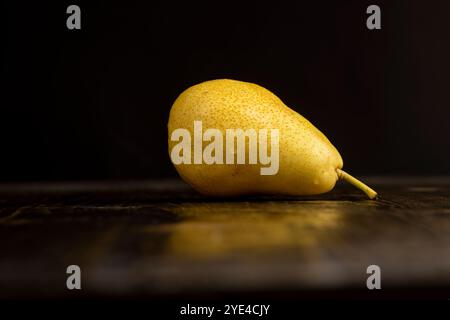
(308, 163)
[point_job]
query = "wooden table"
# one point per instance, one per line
(159, 239)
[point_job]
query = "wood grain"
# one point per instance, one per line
(160, 238)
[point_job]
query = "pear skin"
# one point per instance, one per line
(308, 163)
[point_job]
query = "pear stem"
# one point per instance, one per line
(358, 184)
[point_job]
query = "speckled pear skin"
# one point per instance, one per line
(307, 159)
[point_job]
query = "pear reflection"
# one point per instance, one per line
(253, 228)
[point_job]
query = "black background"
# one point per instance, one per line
(94, 103)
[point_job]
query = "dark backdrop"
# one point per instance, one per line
(94, 103)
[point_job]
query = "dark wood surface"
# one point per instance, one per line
(161, 239)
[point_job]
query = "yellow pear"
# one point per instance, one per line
(302, 160)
